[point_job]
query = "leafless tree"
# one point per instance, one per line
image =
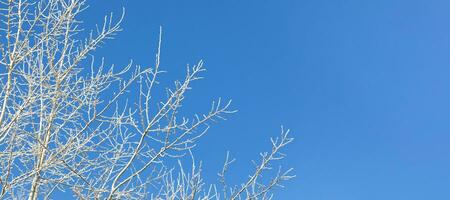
(70, 124)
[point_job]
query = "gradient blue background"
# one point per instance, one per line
(363, 86)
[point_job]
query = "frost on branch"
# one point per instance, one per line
(70, 124)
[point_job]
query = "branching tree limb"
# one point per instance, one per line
(68, 123)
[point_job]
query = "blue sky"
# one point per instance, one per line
(363, 86)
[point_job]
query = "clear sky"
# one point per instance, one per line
(362, 84)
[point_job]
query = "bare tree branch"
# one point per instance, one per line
(69, 123)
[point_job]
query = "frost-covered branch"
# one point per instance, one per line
(71, 123)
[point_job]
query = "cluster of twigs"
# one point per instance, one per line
(69, 125)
